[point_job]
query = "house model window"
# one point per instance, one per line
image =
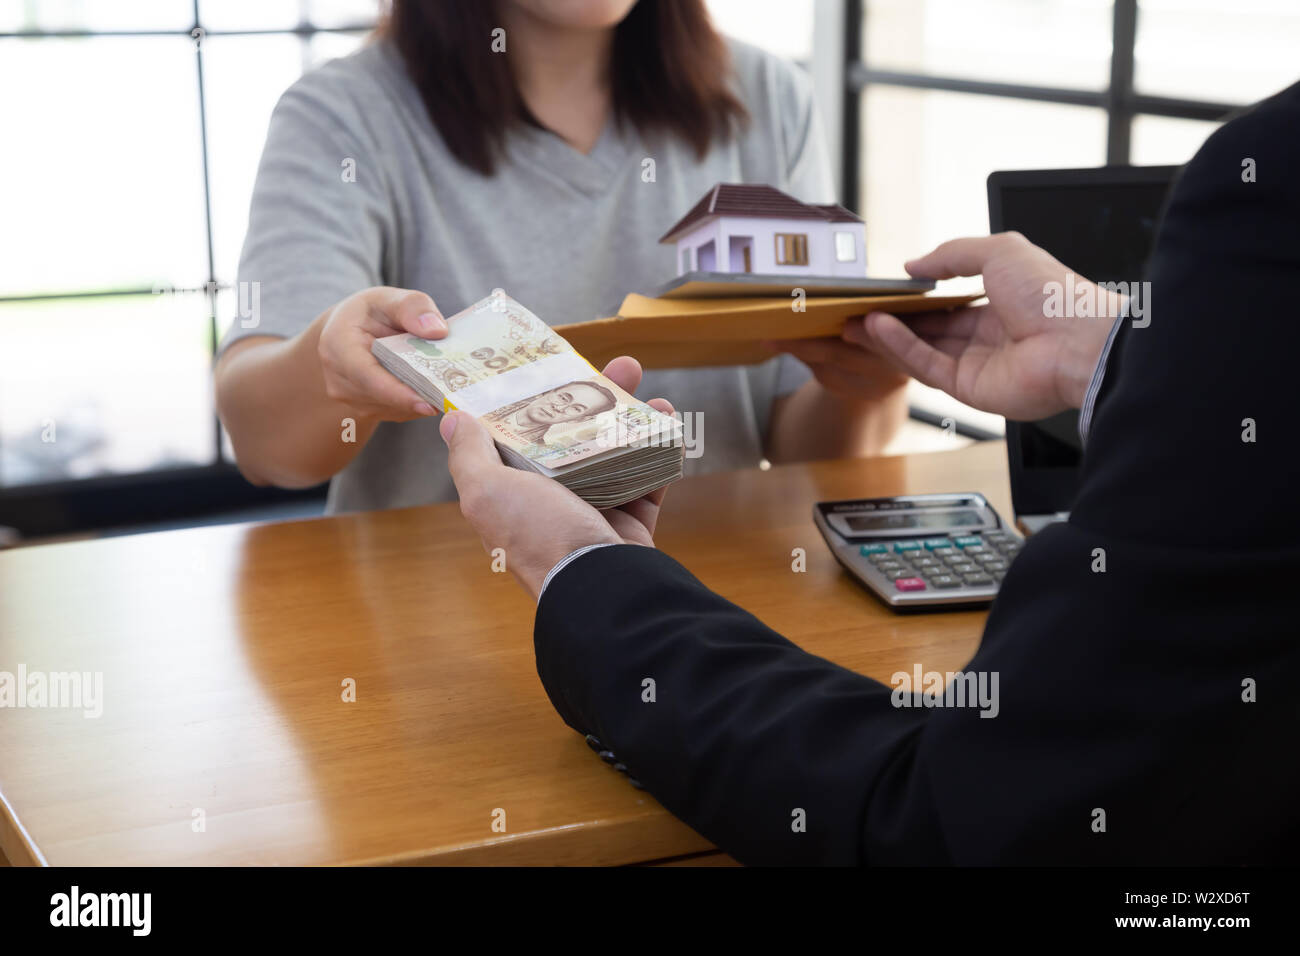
(846, 250)
(791, 249)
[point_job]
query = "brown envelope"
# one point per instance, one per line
(686, 333)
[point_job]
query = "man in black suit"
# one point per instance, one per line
(1147, 713)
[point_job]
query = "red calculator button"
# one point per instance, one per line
(909, 584)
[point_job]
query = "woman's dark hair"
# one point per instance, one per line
(669, 72)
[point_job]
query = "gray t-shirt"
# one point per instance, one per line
(356, 189)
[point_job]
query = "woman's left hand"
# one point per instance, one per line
(845, 368)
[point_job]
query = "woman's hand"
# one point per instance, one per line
(844, 368)
(352, 375)
(536, 520)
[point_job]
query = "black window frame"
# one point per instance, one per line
(164, 494)
(1120, 100)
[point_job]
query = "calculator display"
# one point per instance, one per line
(914, 521)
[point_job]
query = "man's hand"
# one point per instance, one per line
(1007, 357)
(535, 519)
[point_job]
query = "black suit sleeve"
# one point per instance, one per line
(745, 730)
(1144, 652)
(1221, 348)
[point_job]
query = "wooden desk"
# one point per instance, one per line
(224, 651)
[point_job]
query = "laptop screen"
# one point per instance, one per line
(1102, 224)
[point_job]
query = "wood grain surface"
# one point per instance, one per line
(224, 652)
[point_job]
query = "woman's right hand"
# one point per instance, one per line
(352, 375)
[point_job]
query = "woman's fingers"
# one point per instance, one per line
(410, 311)
(383, 389)
(852, 357)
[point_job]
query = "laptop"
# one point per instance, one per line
(1101, 223)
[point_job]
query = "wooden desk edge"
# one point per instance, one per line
(639, 840)
(17, 848)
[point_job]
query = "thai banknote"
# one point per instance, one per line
(543, 402)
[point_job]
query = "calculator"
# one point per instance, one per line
(919, 552)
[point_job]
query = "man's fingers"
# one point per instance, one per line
(412, 312)
(905, 349)
(625, 372)
(472, 457)
(960, 324)
(959, 257)
(628, 520)
(644, 511)
(924, 324)
(949, 345)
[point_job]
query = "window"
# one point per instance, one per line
(122, 234)
(1234, 51)
(942, 92)
(152, 164)
(846, 248)
(791, 249)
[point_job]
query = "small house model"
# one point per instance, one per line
(759, 229)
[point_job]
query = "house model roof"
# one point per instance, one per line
(765, 202)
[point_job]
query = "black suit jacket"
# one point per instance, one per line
(1119, 691)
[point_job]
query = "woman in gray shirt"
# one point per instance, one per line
(538, 146)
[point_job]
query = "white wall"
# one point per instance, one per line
(691, 242)
(821, 244)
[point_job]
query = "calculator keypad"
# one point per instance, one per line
(971, 561)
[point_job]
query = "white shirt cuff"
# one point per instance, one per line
(1098, 375)
(565, 561)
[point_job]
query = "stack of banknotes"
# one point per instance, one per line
(547, 407)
